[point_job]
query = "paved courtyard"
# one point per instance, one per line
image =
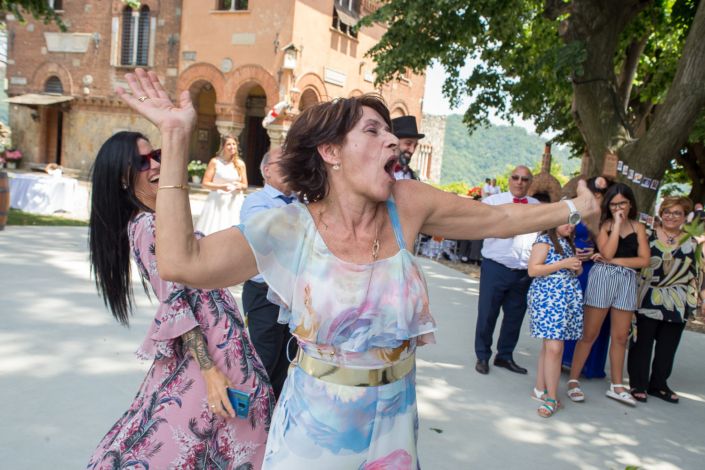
(67, 372)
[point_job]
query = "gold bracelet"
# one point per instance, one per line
(174, 186)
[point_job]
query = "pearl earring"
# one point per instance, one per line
(336, 166)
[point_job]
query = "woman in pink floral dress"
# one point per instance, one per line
(181, 416)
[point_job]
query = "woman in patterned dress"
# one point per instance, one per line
(350, 291)
(668, 295)
(555, 308)
(181, 416)
(226, 177)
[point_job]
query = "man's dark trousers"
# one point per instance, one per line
(269, 337)
(500, 287)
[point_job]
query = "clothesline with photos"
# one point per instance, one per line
(637, 178)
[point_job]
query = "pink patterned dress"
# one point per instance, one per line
(169, 424)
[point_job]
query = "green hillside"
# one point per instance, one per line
(488, 151)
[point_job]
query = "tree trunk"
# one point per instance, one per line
(694, 163)
(599, 111)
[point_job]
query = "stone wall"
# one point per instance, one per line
(435, 129)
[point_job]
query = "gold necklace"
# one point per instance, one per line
(375, 243)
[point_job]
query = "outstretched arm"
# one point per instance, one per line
(219, 260)
(448, 215)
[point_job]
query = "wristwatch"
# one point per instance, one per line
(574, 217)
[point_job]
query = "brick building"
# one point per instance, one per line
(238, 58)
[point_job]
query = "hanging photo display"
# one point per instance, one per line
(637, 178)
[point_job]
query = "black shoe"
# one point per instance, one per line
(482, 366)
(510, 365)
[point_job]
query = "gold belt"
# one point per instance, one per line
(354, 377)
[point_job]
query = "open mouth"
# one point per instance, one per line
(389, 166)
(154, 179)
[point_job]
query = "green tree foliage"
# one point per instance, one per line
(487, 152)
(623, 76)
(39, 9)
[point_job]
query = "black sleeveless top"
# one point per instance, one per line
(627, 247)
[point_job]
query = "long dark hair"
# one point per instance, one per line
(113, 204)
(612, 191)
(553, 236)
(326, 123)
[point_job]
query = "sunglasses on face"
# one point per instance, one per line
(143, 162)
(524, 179)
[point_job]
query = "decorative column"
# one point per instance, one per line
(277, 133)
(230, 128)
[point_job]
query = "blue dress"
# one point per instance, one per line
(556, 301)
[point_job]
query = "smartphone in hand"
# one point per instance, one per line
(240, 402)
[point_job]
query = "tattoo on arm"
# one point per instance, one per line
(196, 344)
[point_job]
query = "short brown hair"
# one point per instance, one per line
(325, 123)
(671, 201)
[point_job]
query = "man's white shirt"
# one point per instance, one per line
(511, 252)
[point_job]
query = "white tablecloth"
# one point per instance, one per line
(44, 194)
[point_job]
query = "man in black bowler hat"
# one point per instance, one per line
(404, 128)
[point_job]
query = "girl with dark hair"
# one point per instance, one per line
(226, 177)
(181, 416)
(349, 290)
(555, 304)
(623, 249)
(584, 249)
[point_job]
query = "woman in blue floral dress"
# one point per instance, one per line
(338, 266)
(555, 308)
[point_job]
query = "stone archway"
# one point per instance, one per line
(309, 98)
(52, 69)
(205, 139)
(398, 109)
(251, 100)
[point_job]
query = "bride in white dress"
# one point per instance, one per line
(226, 178)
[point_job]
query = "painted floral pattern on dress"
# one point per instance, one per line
(555, 302)
(168, 424)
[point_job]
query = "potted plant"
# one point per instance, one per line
(13, 158)
(196, 170)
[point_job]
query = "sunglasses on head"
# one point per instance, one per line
(143, 162)
(524, 179)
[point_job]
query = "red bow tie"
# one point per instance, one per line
(522, 200)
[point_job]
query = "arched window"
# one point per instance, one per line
(143, 37)
(135, 40)
(127, 37)
(53, 85)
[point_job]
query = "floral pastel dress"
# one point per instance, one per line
(354, 315)
(169, 424)
(556, 301)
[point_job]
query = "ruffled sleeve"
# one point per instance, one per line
(277, 237)
(174, 316)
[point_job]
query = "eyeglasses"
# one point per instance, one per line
(618, 205)
(675, 214)
(524, 179)
(143, 162)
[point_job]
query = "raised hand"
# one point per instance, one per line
(588, 207)
(148, 97)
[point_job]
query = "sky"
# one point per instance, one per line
(435, 103)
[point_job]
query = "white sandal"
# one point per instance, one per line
(575, 394)
(538, 395)
(622, 397)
